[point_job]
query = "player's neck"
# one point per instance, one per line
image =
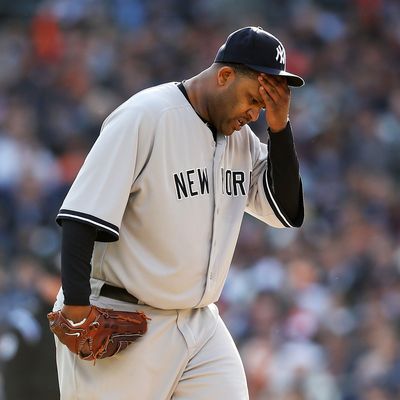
(196, 91)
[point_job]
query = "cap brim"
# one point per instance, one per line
(292, 79)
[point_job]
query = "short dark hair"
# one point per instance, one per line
(240, 69)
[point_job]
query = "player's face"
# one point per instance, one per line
(236, 103)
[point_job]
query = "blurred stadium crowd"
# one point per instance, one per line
(315, 311)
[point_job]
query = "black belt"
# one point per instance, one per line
(117, 293)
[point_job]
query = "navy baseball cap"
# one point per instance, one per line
(258, 50)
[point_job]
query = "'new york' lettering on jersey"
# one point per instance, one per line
(150, 145)
(191, 183)
(194, 182)
(233, 182)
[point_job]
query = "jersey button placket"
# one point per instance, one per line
(221, 142)
(208, 295)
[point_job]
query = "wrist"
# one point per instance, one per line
(278, 128)
(75, 313)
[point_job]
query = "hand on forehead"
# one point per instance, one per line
(274, 79)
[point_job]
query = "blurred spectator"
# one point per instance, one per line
(26, 345)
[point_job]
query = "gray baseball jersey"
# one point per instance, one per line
(168, 200)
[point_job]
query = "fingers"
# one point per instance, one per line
(276, 81)
(276, 96)
(267, 99)
(274, 88)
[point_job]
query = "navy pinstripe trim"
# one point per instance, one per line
(274, 205)
(111, 231)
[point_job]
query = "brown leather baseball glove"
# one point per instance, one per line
(105, 332)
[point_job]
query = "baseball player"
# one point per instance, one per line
(151, 222)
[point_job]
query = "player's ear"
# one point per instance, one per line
(225, 75)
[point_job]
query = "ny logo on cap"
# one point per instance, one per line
(280, 54)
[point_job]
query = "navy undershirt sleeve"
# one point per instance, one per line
(76, 253)
(283, 174)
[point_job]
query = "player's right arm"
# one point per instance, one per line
(76, 253)
(94, 206)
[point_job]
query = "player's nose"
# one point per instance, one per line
(253, 114)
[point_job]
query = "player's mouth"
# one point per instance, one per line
(239, 123)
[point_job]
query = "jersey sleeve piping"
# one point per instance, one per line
(275, 207)
(106, 232)
(273, 203)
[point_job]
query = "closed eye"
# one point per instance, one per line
(257, 103)
(254, 101)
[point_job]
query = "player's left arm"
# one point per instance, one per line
(277, 167)
(283, 169)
